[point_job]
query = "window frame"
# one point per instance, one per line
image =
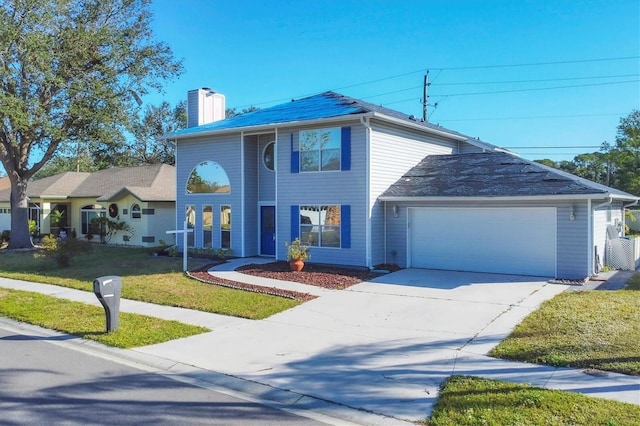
(320, 227)
(225, 226)
(320, 150)
(135, 212)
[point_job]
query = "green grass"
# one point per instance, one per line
(586, 329)
(475, 401)
(89, 322)
(145, 278)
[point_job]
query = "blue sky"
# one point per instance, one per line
(515, 73)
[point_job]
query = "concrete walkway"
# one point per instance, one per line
(375, 353)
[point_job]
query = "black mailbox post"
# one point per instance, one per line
(108, 289)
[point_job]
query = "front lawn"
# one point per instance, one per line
(476, 401)
(145, 278)
(585, 329)
(89, 322)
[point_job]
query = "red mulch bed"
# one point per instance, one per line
(327, 276)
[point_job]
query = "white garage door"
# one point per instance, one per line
(515, 240)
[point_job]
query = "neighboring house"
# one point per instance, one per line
(143, 196)
(5, 207)
(365, 185)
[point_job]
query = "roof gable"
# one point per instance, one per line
(492, 174)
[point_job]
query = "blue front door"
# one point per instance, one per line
(267, 230)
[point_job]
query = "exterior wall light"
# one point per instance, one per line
(396, 210)
(572, 214)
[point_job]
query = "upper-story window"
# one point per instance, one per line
(208, 177)
(320, 150)
(268, 156)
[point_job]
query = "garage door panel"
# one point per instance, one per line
(503, 240)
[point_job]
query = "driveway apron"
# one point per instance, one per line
(382, 346)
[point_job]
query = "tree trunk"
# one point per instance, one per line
(20, 237)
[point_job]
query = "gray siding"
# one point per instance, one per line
(266, 177)
(573, 241)
(324, 188)
(246, 222)
(224, 150)
(393, 152)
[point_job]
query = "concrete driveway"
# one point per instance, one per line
(382, 346)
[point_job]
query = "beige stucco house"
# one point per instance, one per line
(143, 196)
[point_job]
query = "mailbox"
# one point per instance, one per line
(108, 289)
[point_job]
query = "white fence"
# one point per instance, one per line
(623, 253)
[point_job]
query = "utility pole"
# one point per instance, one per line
(424, 96)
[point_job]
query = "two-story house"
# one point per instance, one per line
(365, 185)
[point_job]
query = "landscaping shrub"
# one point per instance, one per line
(5, 236)
(63, 250)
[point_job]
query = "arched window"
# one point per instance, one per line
(208, 177)
(136, 211)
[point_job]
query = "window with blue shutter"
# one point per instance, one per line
(295, 158)
(295, 222)
(345, 154)
(345, 229)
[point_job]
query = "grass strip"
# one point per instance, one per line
(88, 322)
(145, 278)
(585, 329)
(466, 400)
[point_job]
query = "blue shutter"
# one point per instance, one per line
(295, 158)
(345, 160)
(345, 226)
(295, 222)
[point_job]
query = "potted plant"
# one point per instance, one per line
(297, 253)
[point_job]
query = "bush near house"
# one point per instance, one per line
(63, 250)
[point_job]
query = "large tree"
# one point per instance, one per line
(71, 72)
(147, 146)
(626, 154)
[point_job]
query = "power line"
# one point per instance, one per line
(539, 80)
(521, 90)
(508, 82)
(617, 114)
(440, 69)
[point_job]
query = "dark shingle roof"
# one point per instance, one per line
(323, 105)
(155, 182)
(492, 174)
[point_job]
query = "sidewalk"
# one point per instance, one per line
(372, 354)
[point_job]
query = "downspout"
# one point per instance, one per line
(242, 201)
(384, 244)
(275, 201)
(365, 122)
(592, 210)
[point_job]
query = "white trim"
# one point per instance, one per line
(590, 248)
(463, 199)
(342, 118)
(275, 179)
(242, 202)
(367, 232)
